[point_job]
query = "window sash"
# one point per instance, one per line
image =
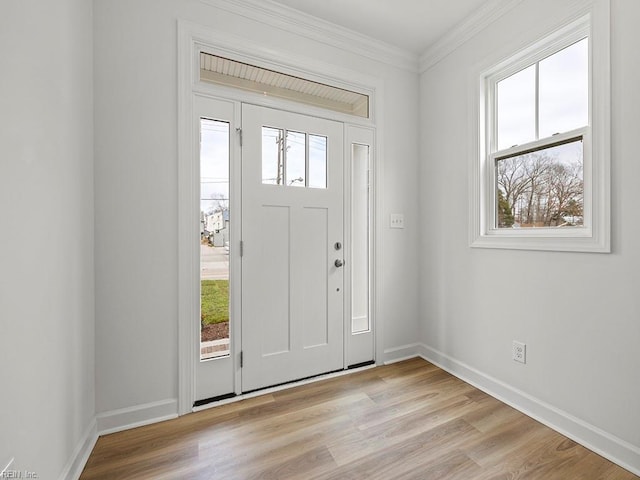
(520, 63)
(535, 146)
(541, 144)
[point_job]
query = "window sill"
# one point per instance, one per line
(544, 241)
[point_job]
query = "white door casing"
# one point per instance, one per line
(192, 39)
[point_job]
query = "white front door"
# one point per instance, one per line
(292, 241)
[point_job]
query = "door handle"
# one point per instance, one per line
(338, 263)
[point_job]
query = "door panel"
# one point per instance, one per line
(313, 257)
(292, 216)
(269, 294)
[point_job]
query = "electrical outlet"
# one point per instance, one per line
(519, 352)
(396, 220)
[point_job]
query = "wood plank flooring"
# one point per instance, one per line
(410, 420)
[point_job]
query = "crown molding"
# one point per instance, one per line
(464, 31)
(291, 20)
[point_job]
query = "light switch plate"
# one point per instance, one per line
(397, 220)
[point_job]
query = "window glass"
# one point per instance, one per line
(270, 83)
(564, 90)
(317, 161)
(544, 188)
(517, 108)
(272, 157)
(295, 158)
(360, 320)
(214, 239)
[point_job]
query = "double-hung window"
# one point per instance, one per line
(540, 182)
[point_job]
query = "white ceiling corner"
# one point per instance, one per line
(410, 34)
(306, 25)
(465, 30)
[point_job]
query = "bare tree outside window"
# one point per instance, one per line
(544, 188)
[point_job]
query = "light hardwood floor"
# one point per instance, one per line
(409, 420)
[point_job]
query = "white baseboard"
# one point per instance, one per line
(603, 443)
(136, 416)
(398, 354)
(78, 460)
(116, 421)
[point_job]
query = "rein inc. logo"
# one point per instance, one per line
(8, 472)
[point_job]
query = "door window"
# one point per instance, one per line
(294, 159)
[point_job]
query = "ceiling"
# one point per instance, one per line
(413, 25)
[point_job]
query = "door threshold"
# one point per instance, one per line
(232, 398)
(360, 365)
(294, 382)
(219, 398)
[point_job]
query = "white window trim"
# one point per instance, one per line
(594, 236)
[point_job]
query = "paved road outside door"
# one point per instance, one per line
(214, 263)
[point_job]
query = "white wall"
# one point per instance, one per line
(47, 403)
(579, 314)
(136, 189)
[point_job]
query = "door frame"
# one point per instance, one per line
(193, 39)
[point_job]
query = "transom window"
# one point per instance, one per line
(543, 162)
(269, 83)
